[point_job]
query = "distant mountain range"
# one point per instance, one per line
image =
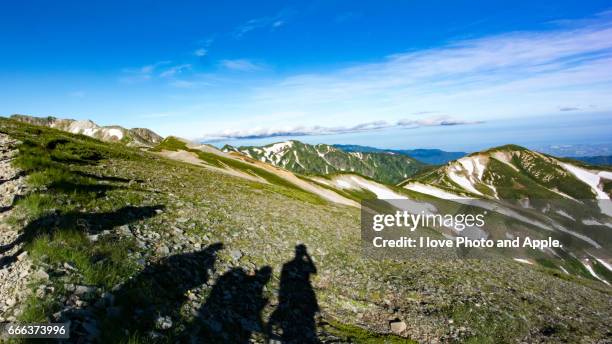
(576, 150)
(139, 137)
(428, 156)
(602, 160)
(260, 201)
(156, 214)
(322, 159)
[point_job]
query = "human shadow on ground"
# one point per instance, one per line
(90, 223)
(156, 303)
(69, 187)
(293, 321)
(232, 312)
(161, 289)
(106, 178)
(100, 178)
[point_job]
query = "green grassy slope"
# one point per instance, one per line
(324, 159)
(531, 175)
(287, 188)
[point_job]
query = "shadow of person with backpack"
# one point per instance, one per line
(232, 312)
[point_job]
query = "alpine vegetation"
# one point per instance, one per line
(182, 242)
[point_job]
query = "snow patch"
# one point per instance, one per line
(604, 263)
(562, 213)
(115, 132)
(380, 191)
(587, 177)
(593, 222)
(277, 147)
(593, 179)
(588, 266)
(524, 261)
(506, 158)
(343, 184)
(297, 159)
(83, 126)
(463, 182)
(474, 165)
(432, 191)
(577, 235)
(90, 131)
(605, 175)
(322, 156)
(359, 155)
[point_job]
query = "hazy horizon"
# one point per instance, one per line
(536, 133)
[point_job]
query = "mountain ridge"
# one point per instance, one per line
(143, 245)
(323, 159)
(511, 168)
(139, 137)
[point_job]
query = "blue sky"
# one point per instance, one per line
(248, 69)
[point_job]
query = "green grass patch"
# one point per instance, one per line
(355, 334)
(103, 264)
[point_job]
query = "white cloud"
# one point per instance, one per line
(271, 22)
(243, 65)
(148, 69)
(515, 74)
(200, 52)
(569, 108)
(142, 73)
(192, 83)
(321, 130)
(506, 76)
(174, 70)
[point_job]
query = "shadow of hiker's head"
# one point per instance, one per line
(232, 311)
(131, 213)
(180, 272)
(301, 250)
(264, 274)
(211, 250)
(303, 260)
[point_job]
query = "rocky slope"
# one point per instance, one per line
(19, 274)
(137, 137)
(141, 248)
(324, 159)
